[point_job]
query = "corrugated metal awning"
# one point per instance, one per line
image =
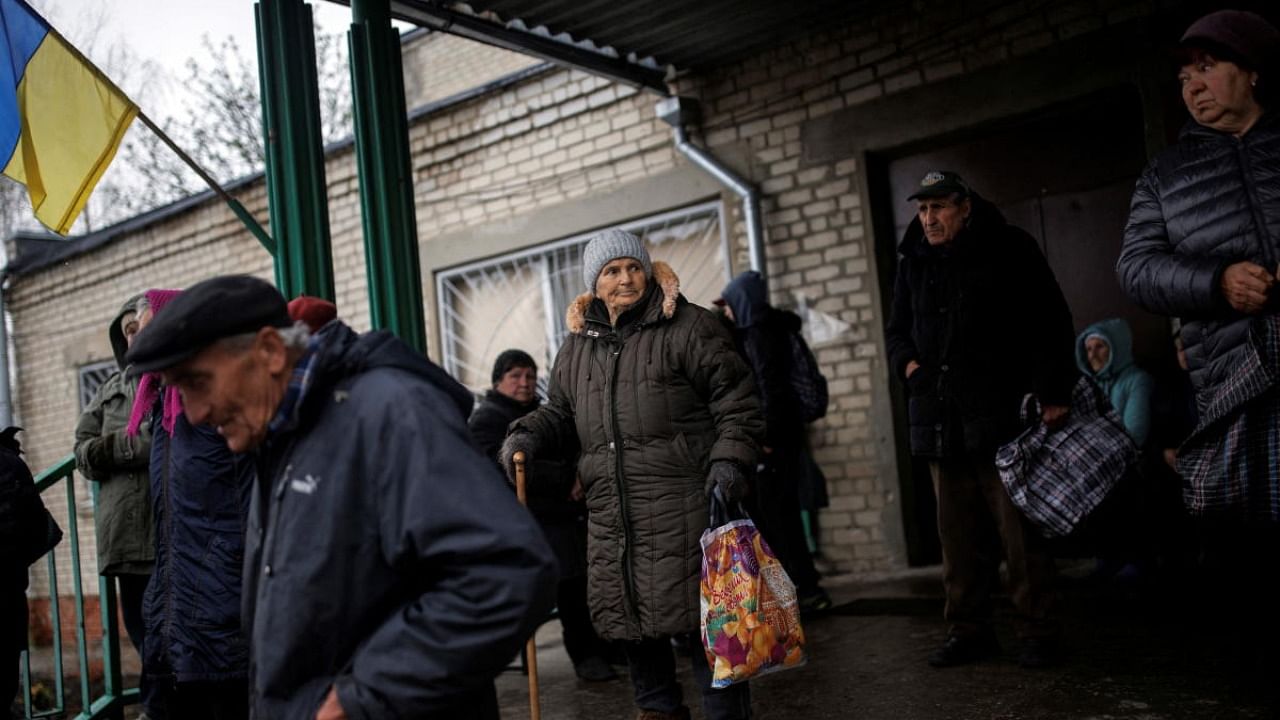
(640, 42)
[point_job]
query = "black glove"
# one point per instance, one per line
(728, 476)
(516, 442)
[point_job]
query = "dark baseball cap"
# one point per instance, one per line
(206, 312)
(941, 183)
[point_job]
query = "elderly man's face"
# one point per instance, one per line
(943, 218)
(235, 390)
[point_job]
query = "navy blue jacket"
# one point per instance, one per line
(199, 500)
(387, 557)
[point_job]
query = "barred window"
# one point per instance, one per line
(519, 300)
(91, 378)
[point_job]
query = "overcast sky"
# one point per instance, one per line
(167, 32)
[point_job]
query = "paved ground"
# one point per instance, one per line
(1129, 659)
(1126, 661)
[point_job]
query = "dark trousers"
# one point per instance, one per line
(132, 588)
(580, 638)
(976, 521)
(653, 677)
(220, 700)
(13, 633)
(776, 512)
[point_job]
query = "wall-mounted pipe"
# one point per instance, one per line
(679, 112)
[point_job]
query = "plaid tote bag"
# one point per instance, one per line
(1057, 477)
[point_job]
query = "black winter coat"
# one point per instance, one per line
(548, 483)
(386, 556)
(988, 324)
(1208, 202)
(199, 497)
(651, 403)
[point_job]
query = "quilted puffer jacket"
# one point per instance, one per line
(652, 403)
(1208, 202)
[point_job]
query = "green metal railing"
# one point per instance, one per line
(111, 703)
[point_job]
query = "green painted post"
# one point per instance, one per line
(82, 645)
(386, 180)
(296, 188)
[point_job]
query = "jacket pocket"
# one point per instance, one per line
(926, 425)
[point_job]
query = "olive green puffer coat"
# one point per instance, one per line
(653, 402)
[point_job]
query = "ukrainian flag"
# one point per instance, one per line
(61, 120)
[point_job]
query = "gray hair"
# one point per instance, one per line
(295, 337)
(142, 304)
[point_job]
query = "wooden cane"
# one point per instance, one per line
(530, 648)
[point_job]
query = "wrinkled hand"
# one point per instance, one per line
(516, 442)
(331, 709)
(729, 478)
(1246, 285)
(1054, 416)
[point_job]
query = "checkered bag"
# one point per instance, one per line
(1057, 477)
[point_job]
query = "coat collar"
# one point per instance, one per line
(575, 318)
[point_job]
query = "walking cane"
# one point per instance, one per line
(530, 648)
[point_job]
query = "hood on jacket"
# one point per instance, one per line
(984, 217)
(664, 280)
(343, 353)
(1118, 337)
(748, 297)
(118, 344)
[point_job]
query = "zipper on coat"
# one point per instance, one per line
(1255, 206)
(615, 445)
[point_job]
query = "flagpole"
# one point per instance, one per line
(236, 207)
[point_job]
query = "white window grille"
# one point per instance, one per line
(91, 378)
(519, 300)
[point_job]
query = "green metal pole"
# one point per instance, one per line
(296, 188)
(386, 181)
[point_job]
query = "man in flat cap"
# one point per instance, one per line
(389, 571)
(978, 321)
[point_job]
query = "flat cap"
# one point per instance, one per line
(203, 314)
(941, 183)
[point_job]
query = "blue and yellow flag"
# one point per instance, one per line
(61, 120)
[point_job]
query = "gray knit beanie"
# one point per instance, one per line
(607, 247)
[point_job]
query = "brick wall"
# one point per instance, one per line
(563, 137)
(438, 65)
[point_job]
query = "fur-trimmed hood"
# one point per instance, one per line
(575, 317)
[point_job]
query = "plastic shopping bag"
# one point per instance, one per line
(750, 617)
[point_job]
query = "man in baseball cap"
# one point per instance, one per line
(389, 571)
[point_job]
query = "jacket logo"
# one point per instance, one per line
(306, 485)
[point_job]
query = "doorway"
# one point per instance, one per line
(1064, 174)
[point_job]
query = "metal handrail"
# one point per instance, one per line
(114, 696)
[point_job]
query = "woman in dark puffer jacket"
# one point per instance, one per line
(1203, 243)
(664, 411)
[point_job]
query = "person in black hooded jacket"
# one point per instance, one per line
(763, 336)
(389, 571)
(978, 322)
(555, 498)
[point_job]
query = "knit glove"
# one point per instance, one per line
(729, 478)
(516, 442)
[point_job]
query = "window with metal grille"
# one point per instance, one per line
(91, 378)
(519, 300)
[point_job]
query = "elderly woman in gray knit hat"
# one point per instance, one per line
(664, 410)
